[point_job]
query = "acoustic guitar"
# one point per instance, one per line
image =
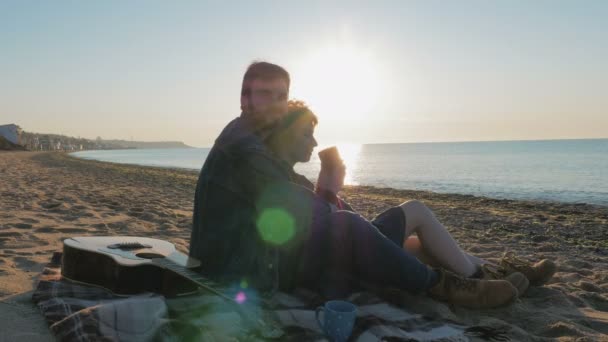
(128, 265)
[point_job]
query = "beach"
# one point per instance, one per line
(46, 197)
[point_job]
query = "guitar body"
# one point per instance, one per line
(128, 265)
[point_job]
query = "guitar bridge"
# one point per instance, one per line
(128, 245)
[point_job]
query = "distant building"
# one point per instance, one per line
(11, 133)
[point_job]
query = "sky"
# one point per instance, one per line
(373, 72)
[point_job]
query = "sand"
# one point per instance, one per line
(46, 197)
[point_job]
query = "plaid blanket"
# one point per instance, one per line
(77, 312)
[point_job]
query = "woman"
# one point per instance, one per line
(432, 244)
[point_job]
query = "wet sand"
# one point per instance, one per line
(47, 197)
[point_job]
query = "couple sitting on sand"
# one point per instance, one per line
(257, 220)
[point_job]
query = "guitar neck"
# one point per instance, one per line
(203, 283)
(194, 277)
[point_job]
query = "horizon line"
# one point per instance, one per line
(451, 142)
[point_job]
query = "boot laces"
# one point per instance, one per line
(510, 259)
(496, 272)
(462, 283)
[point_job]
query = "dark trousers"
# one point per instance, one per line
(345, 250)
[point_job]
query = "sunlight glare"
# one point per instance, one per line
(338, 82)
(350, 155)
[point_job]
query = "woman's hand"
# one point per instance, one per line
(332, 179)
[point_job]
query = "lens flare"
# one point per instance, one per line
(276, 226)
(240, 297)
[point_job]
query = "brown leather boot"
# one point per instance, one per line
(517, 279)
(472, 293)
(538, 273)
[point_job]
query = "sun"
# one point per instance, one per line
(338, 82)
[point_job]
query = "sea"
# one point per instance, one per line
(572, 171)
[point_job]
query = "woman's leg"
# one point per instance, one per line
(437, 243)
(414, 246)
(397, 227)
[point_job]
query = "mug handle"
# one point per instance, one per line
(317, 312)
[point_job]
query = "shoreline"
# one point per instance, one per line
(47, 196)
(196, 171)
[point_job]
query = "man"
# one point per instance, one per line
(240, 181)
(249, 214)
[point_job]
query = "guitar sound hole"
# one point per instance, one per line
(148, 255)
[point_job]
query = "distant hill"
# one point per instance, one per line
(146, 144)
(57, 142)
(7, 145)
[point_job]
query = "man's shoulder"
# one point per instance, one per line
(238, 136)
(238, 150)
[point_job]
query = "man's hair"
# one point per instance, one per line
(265, 71)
